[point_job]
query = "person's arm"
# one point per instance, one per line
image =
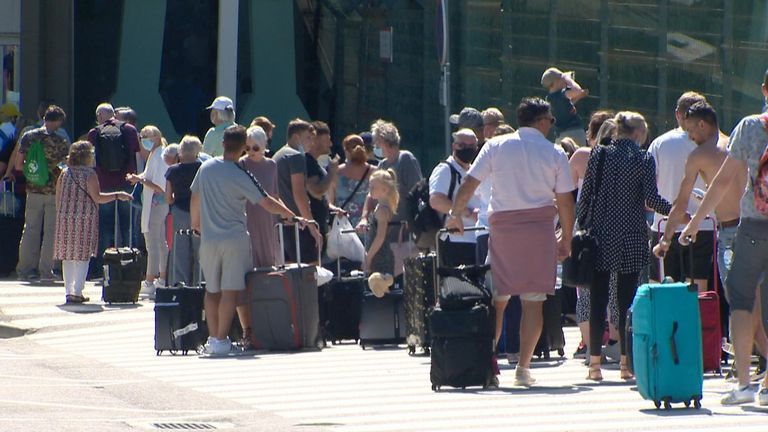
(382, 224)
(169, 198)
(194, 211)
(301, 199)
(318, 187)
(331, 194)
(731, 170)
(565, 211)
(650, 189)
(276, 207)
(578, 164)
(18, 158)
(367, 206)
(466, 190)
(99, 197)
(679, 211)
(575, 93)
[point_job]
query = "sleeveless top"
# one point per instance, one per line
(344, 188)
(77, 217)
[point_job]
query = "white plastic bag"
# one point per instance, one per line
(323, 275)
(344, 245)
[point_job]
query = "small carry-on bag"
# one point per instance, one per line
(382, 320)
(666, 344)
(462, 328)
(419, 298)
(179, 318)
(285, 312)
(709, 305)
(124, 269)
(552, 337)
(340, 304)
(11, 227)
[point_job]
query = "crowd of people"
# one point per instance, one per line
(530, 190)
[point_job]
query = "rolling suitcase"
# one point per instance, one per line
(462, 328)
(709, 305)
(11, 228)
(179, 318)
(124, 269)
(285, 313)
(341, 303)
(552, 337)
(382, 320)
(419, 298)
(666, 344)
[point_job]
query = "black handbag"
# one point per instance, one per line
(579, 267)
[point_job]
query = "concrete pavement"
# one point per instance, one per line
(342, 388)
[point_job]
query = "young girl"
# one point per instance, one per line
(380, 261)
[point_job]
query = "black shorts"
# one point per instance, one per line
(307, 245)
(677, 261)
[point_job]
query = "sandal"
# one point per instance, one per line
(595, 374)
(624, 373)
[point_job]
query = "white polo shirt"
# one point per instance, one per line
(525, 170)
(440, 182)
(670, 152)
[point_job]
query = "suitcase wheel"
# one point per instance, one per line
(697, 403)
(158, 353)
(657, 404)
(561, 352)
(435, 388)
(667, 405)
(687, 404)
(426, 351)
(411, 349)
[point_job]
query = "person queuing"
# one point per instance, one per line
(527, 174)
(319, 179)
(617, 219)
(154, 209)
(222, 116)
(220, 192)
(78, 196)
(349, 190)
(379, 258)
(178, 179)
(750, 254)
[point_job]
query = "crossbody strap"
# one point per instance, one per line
(357, 187)
(253, 178)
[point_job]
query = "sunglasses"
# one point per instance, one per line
(254, 148)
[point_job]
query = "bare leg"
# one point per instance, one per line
(212, 312)
(742, 334)
(225, 313)
(530, 330)
(501, 306)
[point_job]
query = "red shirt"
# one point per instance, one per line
(112, 181)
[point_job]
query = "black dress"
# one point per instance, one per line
(628, 184)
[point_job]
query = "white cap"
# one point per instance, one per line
(222, 103)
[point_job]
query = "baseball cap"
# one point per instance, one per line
(492, 116)
(10, 110)
(222, 103)
(551, 75)
(468, 118)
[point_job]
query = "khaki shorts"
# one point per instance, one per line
(537, 297)
(225, 263)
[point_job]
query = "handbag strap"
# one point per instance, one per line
(357, 188)
(598, 182)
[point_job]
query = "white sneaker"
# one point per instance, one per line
(159, 283)
(762, 396)
(513, 358)
(738, 396)
(222, 347)
(209, 346)
(148, 289)
(523, 377)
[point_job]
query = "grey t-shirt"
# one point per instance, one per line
(289, 161)
(408, 174)
(748, 142)
(224, 189)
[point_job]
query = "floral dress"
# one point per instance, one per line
(77, 217)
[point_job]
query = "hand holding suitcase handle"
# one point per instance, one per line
(298, 223)
(449, 231)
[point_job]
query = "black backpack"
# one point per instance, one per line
(112, 153)
(423, 218)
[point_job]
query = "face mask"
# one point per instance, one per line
(300, 148)
(466, 155)
(378, 152)
(147, 144)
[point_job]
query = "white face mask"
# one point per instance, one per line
(300, 148)
(378, 152)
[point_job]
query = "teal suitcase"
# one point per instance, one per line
(666, 344)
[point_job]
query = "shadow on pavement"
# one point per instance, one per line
(82, 308)
(548, 390)
(678, 410)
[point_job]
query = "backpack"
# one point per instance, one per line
(760, 185)
(423, 218)
(36, 165)
(111, 151)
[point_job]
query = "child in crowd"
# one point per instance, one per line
(380, 260)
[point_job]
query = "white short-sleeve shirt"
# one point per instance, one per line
(525, 170)
(440, 182)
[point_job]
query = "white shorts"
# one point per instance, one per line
(534, 297)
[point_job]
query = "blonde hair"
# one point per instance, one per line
(190, 146)
(389, 179)
(605, 132)
(155, 132)
(627, 122)
(386, 131)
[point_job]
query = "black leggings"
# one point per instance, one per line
(625, 293)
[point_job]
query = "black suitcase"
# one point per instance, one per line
(11, 228)
(382, 320)
(419, 298)
(124, 269)
(179, 319)
(285, 313)
(552, 337)
(340, 308)
(462, 347)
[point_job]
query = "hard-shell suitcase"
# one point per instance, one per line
(124, 269)
(462, 328)
(666, 344)
(179, 319)
(341, 301)
(11, 227)
(419, 297)
(382, 320)
(285, 313)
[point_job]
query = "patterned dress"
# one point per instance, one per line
(77, 217)
(345, 186)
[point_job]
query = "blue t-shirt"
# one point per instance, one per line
(564, 111)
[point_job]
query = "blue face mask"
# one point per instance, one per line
(147, 144)
(378, 152)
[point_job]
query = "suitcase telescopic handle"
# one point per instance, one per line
(442, 231)
(296, 228)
